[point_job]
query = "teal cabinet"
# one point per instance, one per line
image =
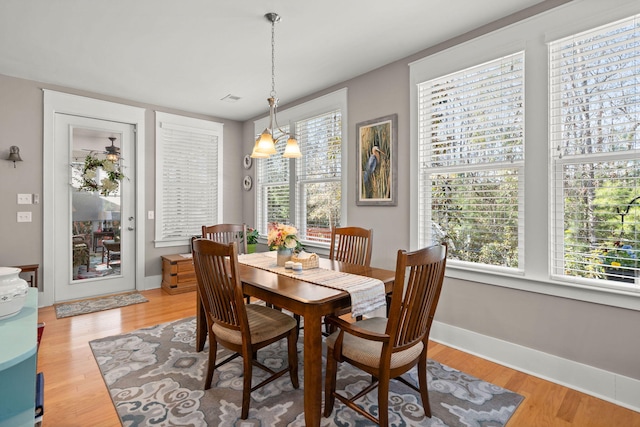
(18, 356)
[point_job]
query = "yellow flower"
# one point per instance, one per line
(615, 264)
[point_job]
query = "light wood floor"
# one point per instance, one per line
(76, 396)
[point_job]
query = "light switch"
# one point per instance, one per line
(24, 199)
(150, 215)
(24, 216)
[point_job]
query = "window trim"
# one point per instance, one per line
(530, 35)
(328, 102)
(210, 127)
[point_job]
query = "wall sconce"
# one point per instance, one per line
(14, 155)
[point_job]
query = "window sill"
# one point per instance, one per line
(598, 295)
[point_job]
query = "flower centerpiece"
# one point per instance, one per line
(620, 262)
(107, 185)
(284, 239)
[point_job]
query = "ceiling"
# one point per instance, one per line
(189, 54)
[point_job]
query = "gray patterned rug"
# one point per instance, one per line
(155, 377)
(91, 305)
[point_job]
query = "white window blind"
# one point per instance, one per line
(595, 142)
(188, 177)
(471, 163)
(319, 175)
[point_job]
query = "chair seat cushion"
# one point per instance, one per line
(264, 323)
(368, 352)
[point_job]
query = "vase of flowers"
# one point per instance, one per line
(284, 239)
(252, 240)
(620, 262)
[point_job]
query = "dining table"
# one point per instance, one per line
(309, 300)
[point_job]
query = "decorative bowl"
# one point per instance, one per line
(13, 292)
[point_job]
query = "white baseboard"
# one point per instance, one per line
(609, 386)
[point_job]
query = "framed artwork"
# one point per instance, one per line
(377, 162)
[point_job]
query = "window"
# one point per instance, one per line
(595, 142)
(306, 192)
(471, 163)
(188, 177)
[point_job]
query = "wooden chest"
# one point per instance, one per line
(178, 274)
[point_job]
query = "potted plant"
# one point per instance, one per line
(620, 262)
(252, 240)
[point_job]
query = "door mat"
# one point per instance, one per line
(92, 305)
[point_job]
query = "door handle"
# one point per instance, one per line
(130, 228)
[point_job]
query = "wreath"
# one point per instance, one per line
(109, 184)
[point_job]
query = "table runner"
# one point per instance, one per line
(367, 293)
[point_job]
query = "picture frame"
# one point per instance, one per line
(377, 162)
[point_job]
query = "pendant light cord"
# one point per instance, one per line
(273, 58)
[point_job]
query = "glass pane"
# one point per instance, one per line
(96, 204)
(321, 209)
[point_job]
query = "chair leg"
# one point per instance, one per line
(383, 402)
(213, 348)
(247, 366)
(330, 385)
(297, 317)
(424, 392)
(292, 341)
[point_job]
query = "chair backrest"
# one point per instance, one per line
(352, 245)
(216, 268)
(416, 291)
(227, 233)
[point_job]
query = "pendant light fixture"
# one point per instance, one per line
(112, 152)
(266, 143)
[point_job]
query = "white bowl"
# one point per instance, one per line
(13, 292)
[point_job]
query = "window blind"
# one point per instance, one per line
(595, 154)
(319, 175)
(188, 187)
(471, 162)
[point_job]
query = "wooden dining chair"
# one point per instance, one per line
(352, 245)
(239, 327)
(386, 348)
(227, 233)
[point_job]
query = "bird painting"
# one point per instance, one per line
(370, 169)
(376, 157)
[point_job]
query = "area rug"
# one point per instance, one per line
(155, 378)
(92, 305)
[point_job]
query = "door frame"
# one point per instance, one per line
(58, 102)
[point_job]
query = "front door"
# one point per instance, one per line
(94, 241)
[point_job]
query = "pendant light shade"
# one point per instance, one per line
(266, 144)
(292, 150)
(256, 153)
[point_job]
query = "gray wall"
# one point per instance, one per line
(21, 121)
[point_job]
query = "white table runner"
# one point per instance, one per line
(367, 293)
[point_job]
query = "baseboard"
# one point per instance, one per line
(609, 386)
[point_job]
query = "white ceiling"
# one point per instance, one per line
(189, 54)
